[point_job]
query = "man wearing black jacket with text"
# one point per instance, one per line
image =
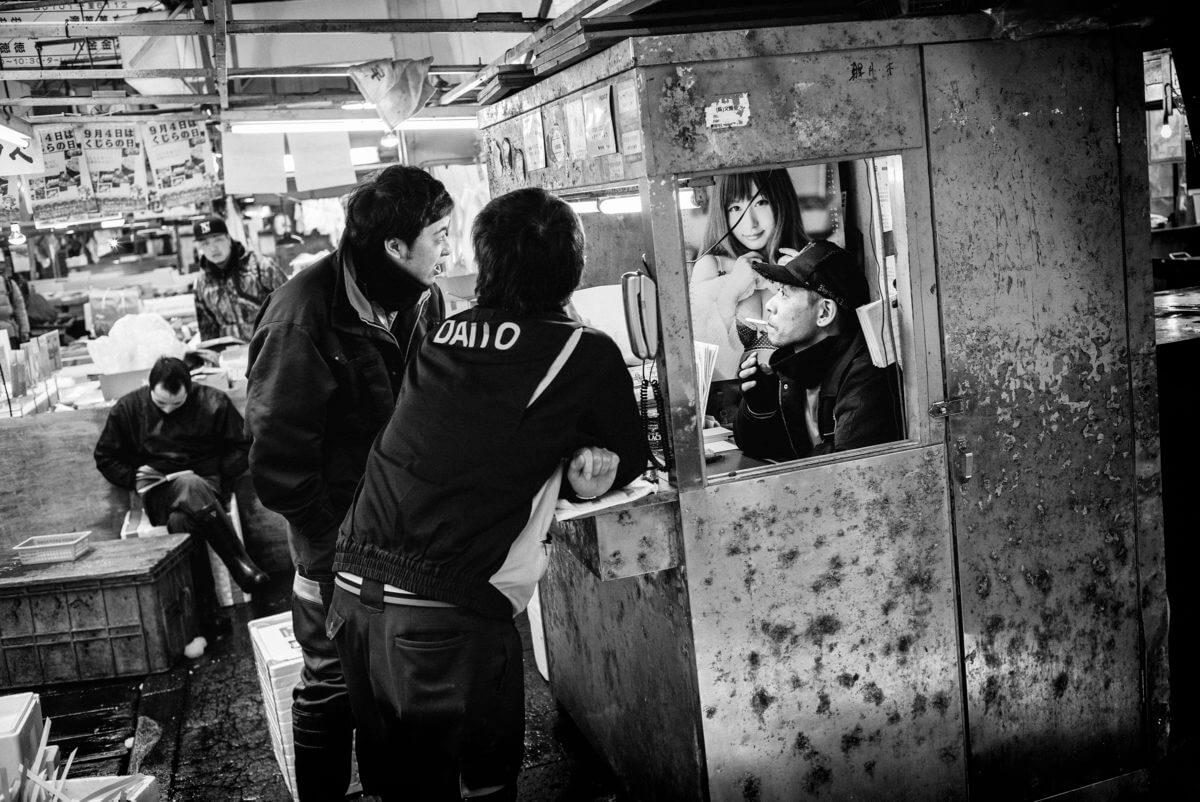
(446, 538)
(326, 361)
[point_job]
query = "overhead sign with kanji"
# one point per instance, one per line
(24, 53)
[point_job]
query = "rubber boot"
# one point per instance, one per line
(216, 528)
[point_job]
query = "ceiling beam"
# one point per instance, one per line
(63, 30)
(332, 70)
(219, 9)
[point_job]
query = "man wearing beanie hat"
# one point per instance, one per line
(233, 282)
(818, 392)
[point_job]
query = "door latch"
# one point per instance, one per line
(965, 460)
(951, 406)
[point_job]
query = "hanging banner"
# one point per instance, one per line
(21, 161)
(113, 153)
(63, 190)
(10, 201)
(181, 163)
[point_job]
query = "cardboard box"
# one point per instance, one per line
(279, 660)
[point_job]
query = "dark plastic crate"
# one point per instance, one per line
(125, 608)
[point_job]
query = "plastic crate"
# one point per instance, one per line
(52, 548)
(126, 608)
(21, 727)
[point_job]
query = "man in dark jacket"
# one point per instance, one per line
(233, 282)
(325, 364)
(819, 392)
(180, 446)
(446, 538)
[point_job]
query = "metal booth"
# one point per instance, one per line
(975, 610)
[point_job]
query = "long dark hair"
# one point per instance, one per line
(774, 185)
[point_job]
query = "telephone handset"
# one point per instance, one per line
(641, 320)
(641, 314)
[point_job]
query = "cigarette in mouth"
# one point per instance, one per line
(753, 321)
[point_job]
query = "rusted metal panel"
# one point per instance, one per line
(1139, 289)
(620, 662)
(827, 37)
(806, 107)
(1027, 221)
(640, 539)
(823, 608)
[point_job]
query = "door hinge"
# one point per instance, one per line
(951, 406)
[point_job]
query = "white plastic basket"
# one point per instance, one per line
(52, 548)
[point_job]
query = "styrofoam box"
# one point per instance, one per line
(20, 730)
(144, 789)
(278, 659)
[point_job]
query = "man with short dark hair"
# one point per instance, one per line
(181, 446)
(819, 392)
(326, 361)
(233, 282)
(446, 539)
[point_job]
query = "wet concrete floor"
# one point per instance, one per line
(200, 728)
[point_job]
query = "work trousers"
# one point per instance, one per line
(172, 504)
(322, 724)
(438, 695)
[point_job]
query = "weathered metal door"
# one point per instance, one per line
(1025, 173)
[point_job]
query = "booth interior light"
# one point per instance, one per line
(622, 204)
(115, 222)
(352, 124)
(584, 206)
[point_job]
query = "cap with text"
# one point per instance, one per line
(209, 227)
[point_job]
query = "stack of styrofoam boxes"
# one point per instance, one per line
(278, 657)
(21, 728)
(137, 524)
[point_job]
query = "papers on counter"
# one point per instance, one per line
(566, 510)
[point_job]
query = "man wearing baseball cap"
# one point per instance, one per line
(818, 392)
(233, 282)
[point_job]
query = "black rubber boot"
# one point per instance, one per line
(216, 528)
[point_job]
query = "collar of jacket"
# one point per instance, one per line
(351, 309)
(809, 366)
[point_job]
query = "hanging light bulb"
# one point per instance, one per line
(389, 140)
(15, 236)
(1165, 132)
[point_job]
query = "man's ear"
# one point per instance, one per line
(827, 312)
(396, 248)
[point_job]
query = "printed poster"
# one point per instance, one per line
(534, 144)
(576, 138)
(181, 163)
(554, 123)
(10, 201)
(113, 152)
(598, 122)
(64, 189)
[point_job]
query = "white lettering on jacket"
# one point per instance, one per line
(477, 335)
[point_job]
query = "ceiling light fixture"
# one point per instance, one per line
(116, 222)
(14, 137)
(389, 140)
